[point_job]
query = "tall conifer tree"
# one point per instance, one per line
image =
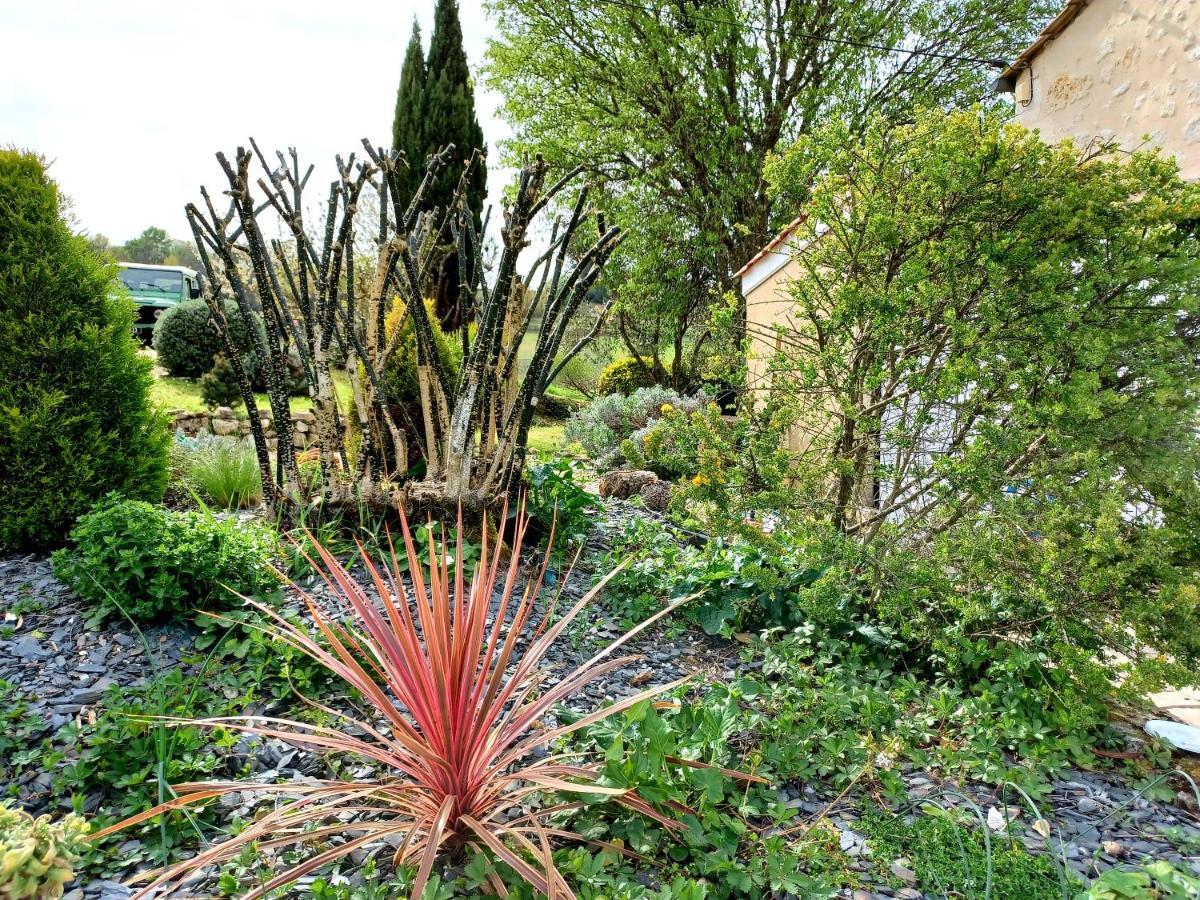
(408, 133)
(450, 108)
(435, 106)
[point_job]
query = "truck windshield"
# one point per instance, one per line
(153, 280)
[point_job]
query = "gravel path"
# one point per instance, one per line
(61, 669)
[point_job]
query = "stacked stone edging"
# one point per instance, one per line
(223, 422)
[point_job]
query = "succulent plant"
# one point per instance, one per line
(37, 856)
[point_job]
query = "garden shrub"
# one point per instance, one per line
(75, 414)
(219, 385)
(151, 563)
(187, 341)
(626, 375)
(606, 422)
(400, 373)
(37, 856)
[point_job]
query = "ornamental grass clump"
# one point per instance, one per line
(457, 695)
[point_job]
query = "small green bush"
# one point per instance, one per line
(187, 342)
(400, 381)
(37, 856)
(219, 385)
(151, 563)
(75, 414)
(400, 373)
(626, 375)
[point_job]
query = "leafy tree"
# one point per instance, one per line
(408, 133)
(151, 247)
(75, 415)
(674, 109)
(100, 244)
(991, 359)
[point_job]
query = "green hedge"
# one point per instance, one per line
(75, 414)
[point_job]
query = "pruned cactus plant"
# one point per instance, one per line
(37, 856)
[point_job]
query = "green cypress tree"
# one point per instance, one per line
(408, 135)
(450, 109)
(75, 414)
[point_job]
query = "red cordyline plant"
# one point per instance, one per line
(459, 710)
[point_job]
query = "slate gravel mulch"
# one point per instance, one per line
(62, 669)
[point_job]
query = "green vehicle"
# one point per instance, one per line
(155, 289)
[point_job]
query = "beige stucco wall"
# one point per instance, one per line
(768, 304)
(1123, 69)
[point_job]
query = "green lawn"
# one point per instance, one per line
(546, 438)
(184, 393)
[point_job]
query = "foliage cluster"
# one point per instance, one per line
(601, 426)
(37, 856)
(735, 585)
(75, 416)
(1158, 879)
(954, 856)
(678, 757)
(841, 686)
(17, 730)
(149, 563)
(554, 499)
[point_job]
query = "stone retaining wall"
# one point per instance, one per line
(223, 422)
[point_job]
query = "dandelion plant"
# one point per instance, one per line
(456, 696)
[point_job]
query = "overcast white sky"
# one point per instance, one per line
(130, 99)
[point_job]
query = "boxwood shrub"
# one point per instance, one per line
(187, 342)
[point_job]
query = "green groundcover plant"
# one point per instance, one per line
(75, 414)
(147, 562)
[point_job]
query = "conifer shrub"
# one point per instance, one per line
(219, 385)
(187, 341)
(75, 414)
(400, 380)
